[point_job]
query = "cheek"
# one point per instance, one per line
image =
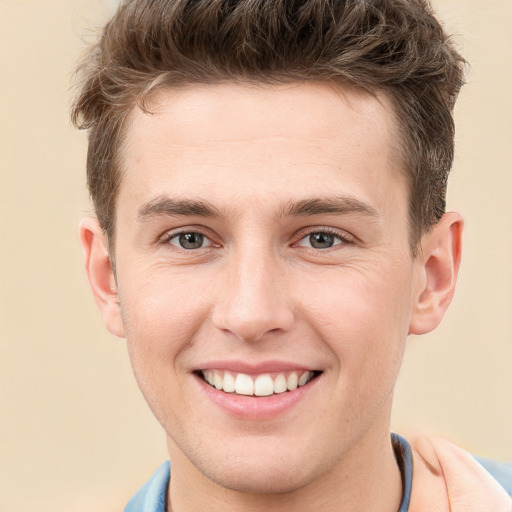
(161, 316)
(363, 317)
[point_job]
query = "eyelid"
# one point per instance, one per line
(173, 233)
(165, 238)
(344, 236)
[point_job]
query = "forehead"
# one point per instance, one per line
(283, 140)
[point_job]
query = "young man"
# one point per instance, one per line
(269, 179)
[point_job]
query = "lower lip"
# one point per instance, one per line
(256, 407)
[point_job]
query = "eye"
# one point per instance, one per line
(189, 240)
(322, 240)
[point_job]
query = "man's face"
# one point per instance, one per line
(263, 232)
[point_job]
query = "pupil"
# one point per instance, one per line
(321, 240)
(191, 240)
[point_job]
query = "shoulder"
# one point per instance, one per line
(447, 477)
(151, 497)
(500, 471)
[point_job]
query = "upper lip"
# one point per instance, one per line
(238, 366)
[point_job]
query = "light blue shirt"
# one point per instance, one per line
(152, 496)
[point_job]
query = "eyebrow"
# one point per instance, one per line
(321, 206)
(165, 206)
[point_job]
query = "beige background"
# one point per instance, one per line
(75, 434)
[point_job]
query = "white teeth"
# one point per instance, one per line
(304, 378)
(209, 377)
(229, 383)
(292, 381)
(280, 384)
(217, 380)
(244, 384)
(264, 385)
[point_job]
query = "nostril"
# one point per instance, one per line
(255, 325)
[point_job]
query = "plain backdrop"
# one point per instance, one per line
(75, 433)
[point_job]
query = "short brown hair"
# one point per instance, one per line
(394, 46)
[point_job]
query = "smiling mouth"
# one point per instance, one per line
(265, 384)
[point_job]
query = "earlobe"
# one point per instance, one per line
(439, 262)
(100, 273)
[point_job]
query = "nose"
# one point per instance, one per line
(253, 300)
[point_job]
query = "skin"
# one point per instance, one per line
(257, 291)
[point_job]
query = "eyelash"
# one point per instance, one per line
(344, 238)
(168, 237)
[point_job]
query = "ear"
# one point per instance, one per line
(438, 261)
(100, 273)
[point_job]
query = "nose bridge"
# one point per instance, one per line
(253, 298)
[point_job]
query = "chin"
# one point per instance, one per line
(279, 461)
(264, 471)
(257, 480)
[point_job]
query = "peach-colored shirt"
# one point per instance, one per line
(448, 479)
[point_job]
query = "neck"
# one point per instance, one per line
(367, 478)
